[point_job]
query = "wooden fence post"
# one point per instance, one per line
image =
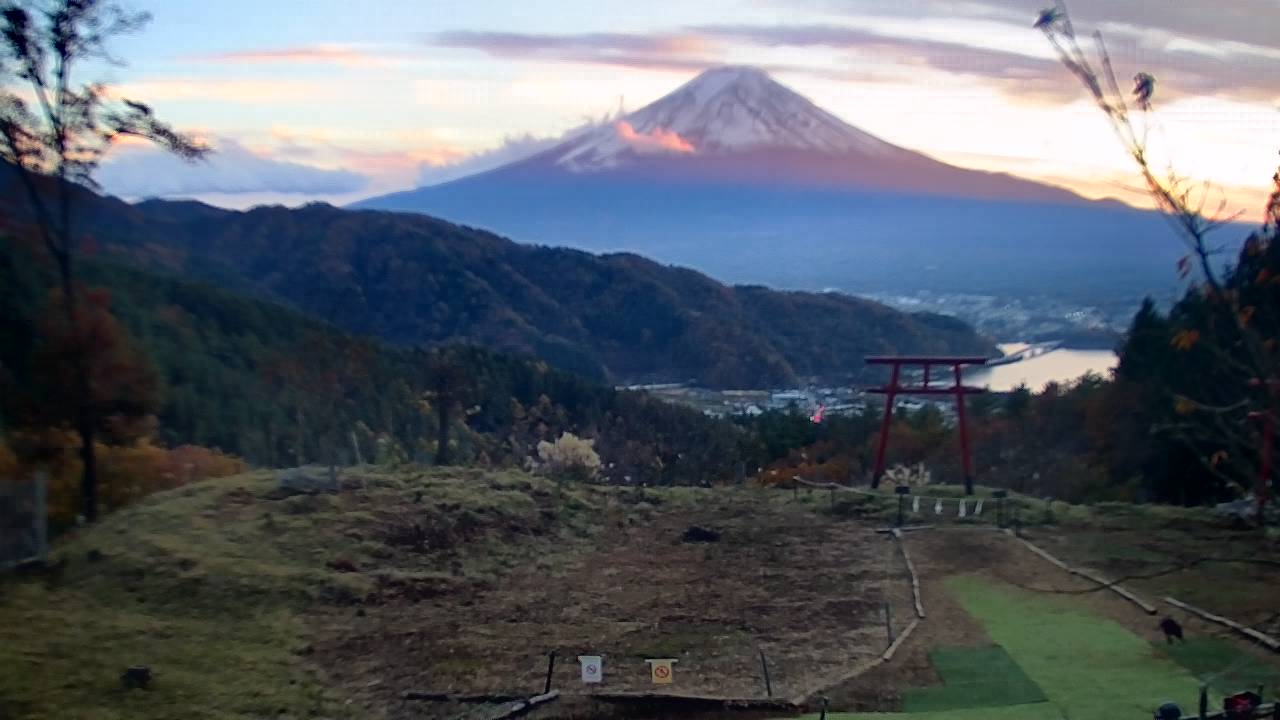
(41, 515)
(888, 622)
(768, 684)
(551, 665)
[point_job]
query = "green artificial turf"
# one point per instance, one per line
(980, 677)
(1222, 666)
(1089, 667)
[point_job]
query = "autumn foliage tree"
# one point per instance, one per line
(1228, 324)
(123, 389)
(54, 131)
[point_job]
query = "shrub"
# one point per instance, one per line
(125, 472)
(569, 457)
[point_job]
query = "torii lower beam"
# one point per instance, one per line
(895, 388)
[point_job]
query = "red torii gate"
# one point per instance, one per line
(894, 389)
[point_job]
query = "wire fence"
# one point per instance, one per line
(24, 529)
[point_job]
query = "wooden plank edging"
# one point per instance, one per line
(524, 706)
(911, 568)
(866, 665)
(645, 696)
(888, 654)
(1262, 639)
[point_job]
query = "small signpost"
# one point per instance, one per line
(660, 670)
(592, 668)
(903, 491)
(1000, 496)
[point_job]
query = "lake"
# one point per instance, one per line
(1060, 366)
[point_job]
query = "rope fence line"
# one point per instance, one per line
(966, 507)
(1089, 575)
(1262, 639)
(911, 569)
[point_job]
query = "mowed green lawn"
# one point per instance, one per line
(1089, 667)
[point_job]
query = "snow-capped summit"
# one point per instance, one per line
(723, 110)
(729, 127)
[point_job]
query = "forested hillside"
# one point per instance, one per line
(263, 382)
(1173, 425)
(414, 280)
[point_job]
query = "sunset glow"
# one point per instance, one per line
(397, 96)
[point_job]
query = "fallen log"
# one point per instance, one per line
(1089, 575)
(911, 569)
(1265, 640)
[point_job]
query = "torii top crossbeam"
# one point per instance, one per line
(895, 388)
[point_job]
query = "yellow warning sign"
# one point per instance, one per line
(661, 671)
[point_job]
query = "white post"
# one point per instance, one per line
(356, 445)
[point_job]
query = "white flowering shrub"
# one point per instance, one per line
(569, 457)
(913, 475)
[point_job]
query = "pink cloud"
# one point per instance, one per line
(656, 140)
(309, 54)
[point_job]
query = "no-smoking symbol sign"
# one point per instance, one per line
(660, 670)
(592, 668)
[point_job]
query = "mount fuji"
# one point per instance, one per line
(738, 176)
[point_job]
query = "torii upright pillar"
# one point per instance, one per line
(896, 388)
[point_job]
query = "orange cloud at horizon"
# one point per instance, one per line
(656, 140)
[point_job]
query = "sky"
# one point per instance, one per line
(335, 101)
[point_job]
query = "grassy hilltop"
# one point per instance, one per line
(247, 602)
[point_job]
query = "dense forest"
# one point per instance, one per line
(257, 380)
(413, 280)
(201, 366)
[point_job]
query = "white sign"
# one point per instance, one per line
(592, 668)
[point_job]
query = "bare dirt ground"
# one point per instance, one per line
(1236, 590)
(804, 578)
(805, 587)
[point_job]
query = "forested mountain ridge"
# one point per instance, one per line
(261, 381)
(413, 280)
